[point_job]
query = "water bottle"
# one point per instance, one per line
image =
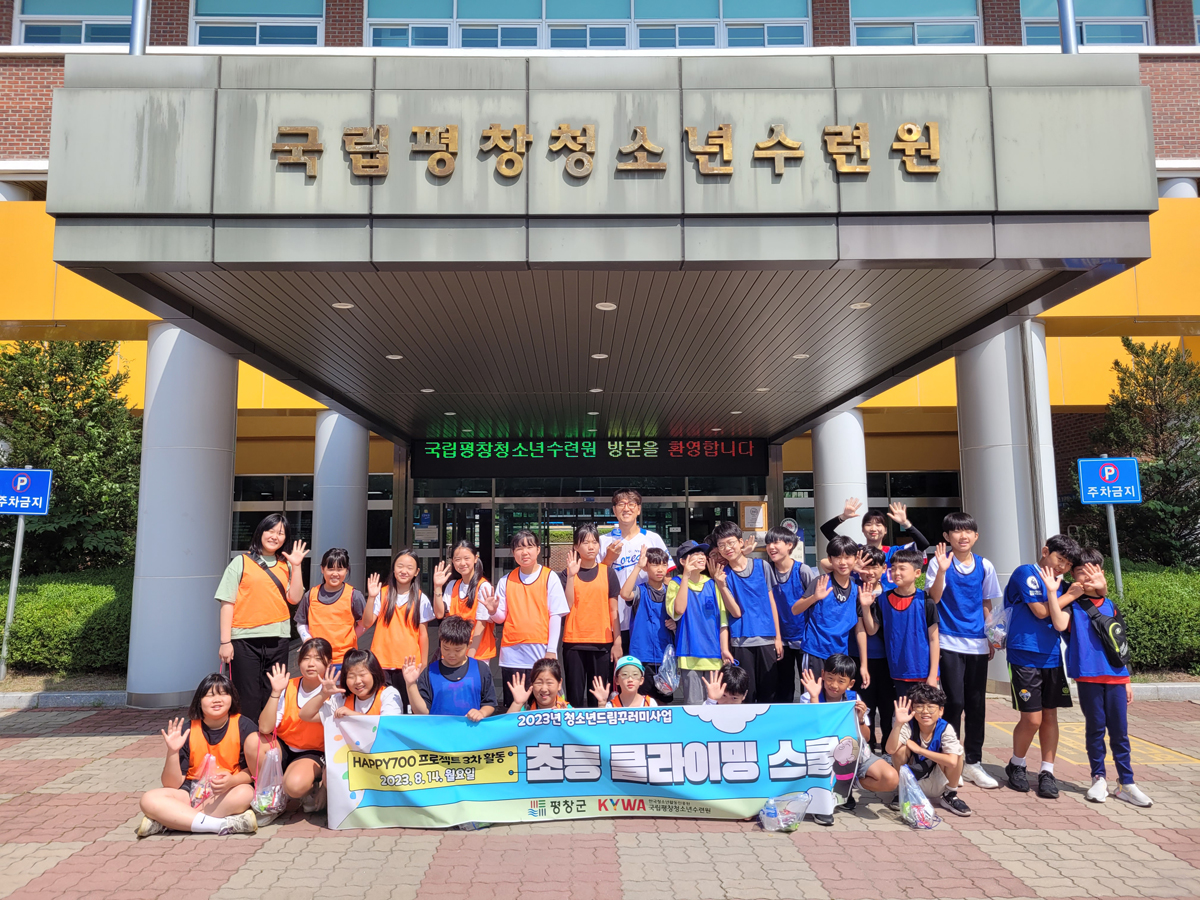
(769, 816)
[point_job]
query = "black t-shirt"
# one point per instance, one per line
(587, 576)
(214, 736)
(458, 673)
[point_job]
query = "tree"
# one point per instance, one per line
(61, 409)
(1154, 414)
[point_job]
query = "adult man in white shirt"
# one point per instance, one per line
(622, 547)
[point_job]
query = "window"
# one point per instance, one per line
(1097, 22)
(471, 36)
(878, 23)
(73, 21)
(601, 37)
(258, 23)
(677, 35)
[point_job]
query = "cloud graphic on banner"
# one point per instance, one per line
(728, 718)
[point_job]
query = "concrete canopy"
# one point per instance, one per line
(488, 285)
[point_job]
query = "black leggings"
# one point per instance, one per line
(761, 664)
(253, 659)
(880, 698)
(582, 663)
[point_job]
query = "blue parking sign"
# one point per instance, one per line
(25, 492)
(1110, 480)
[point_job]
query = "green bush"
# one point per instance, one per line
(1162, 615)
(73, 622)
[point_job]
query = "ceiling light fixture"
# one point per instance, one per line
(762, 390)
(393, 356)
(595, 390)
(599, 356)
(343, 306)
(861, 305)
(800, 356)
(426, 390)
(449, 414)
(606, 307)
(736, 412)
(716, 429)
(593, 413)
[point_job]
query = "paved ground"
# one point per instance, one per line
(69, 783)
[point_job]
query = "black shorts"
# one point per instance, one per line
(289, 755)
(1035, 689)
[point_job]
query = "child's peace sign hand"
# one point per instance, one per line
(299, 551)
(719, 574)
(898, 513)
(411, 670)
(714, 686)
(574, 563)
(441, 575)
(174, 735)
(850, 510)
(824, 588)
(810, 683)
(520, 693)
(904, 711)
(600, 690)
(329, 685)
(373, 585)
(278, 677)
(942, 554)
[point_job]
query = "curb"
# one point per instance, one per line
(63, 700)
(1167, 690)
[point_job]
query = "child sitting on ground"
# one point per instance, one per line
(630, 675)
(933, 752)
(454, 684)
(873, 773)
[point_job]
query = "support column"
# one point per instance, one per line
(340, 465)
(185, 501)
(775, 513)
(1006, 450)
(839, 471)
(402, 501)
(1182, 188)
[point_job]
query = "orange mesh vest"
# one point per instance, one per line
(376, 704)
(228, 753)
(258, 601)
(333, 621)
(528, 609)
(397, 640)
(293, 730)
(589, 621)
(458, 607)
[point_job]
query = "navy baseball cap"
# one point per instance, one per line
(687, 548)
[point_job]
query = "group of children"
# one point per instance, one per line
(742, 629)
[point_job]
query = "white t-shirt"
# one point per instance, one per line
(523, 656)
(631, 552)
(389, 705)
(483, 592)
(991, 591)
(426, 607)
(302, 697)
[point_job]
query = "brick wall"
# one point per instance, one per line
(1002, 23)
(1174, 23)
(169, 23)
(831, 23)
(6, 21)
(1072, 439)
(344, 23)
(1174, 84)
(26, 86)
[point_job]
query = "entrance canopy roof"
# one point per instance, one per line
(673, 244)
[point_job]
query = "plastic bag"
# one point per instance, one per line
(269, 798)
(666, 679)
(996, 627)
(784, 813)
(915, 808)
(202, 789)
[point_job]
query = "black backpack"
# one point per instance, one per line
(1110, 630)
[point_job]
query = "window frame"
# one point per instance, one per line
(726, 24)
(195, 22)
(20, 21)
(975, 21)
(372, 24)
(1081, 24)
(639, 24)
(499, 25)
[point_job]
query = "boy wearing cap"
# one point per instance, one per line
(630, 675)
(699, 605)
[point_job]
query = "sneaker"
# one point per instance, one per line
(1098, 792)
(822, 819)
(1018, 778)
(894, 803)
(1047, 785)
(850, 804)
(246, 823)
(148, 826)
(978, 776)
(314, 800)
(950, 801)
(1131, 793)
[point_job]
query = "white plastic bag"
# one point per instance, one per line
(666, 679)
(202, 789)
(784, 813)
(996, 626)
(269, 797)
(915, 808)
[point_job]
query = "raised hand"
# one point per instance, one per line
(942, 554)
(278, 677)
(1052, 580)
(810, 683)
(851, 509)
(600, 690)
(329, 685)
(824, 587)
(904, 711)
(175, 735)
(1093, 576)
(719, 574)
(898, 513)
(641, 563)
(574, 562)
(411, 670)
(861, 561)
(299, 551)
(520, 693)
(487, 597)
(714, 686)
(441, 574)
(694, 564)
(374, 584)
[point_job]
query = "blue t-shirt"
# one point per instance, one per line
(1085, 655)
(1032, 641)
(787, 593)
(830, 621)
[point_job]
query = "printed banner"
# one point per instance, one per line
(712, 762)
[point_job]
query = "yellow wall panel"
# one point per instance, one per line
(277, 395)
(131, 356)
(1118, 296)
(797, 454)
(912, 452)
(1166, 283)
(77, 298)
(26, 267)
(380, 454)
(933, 387)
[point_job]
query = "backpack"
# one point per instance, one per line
(1110, 630)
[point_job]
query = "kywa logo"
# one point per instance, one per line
(620, 804)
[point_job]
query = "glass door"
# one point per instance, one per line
(509, 519)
